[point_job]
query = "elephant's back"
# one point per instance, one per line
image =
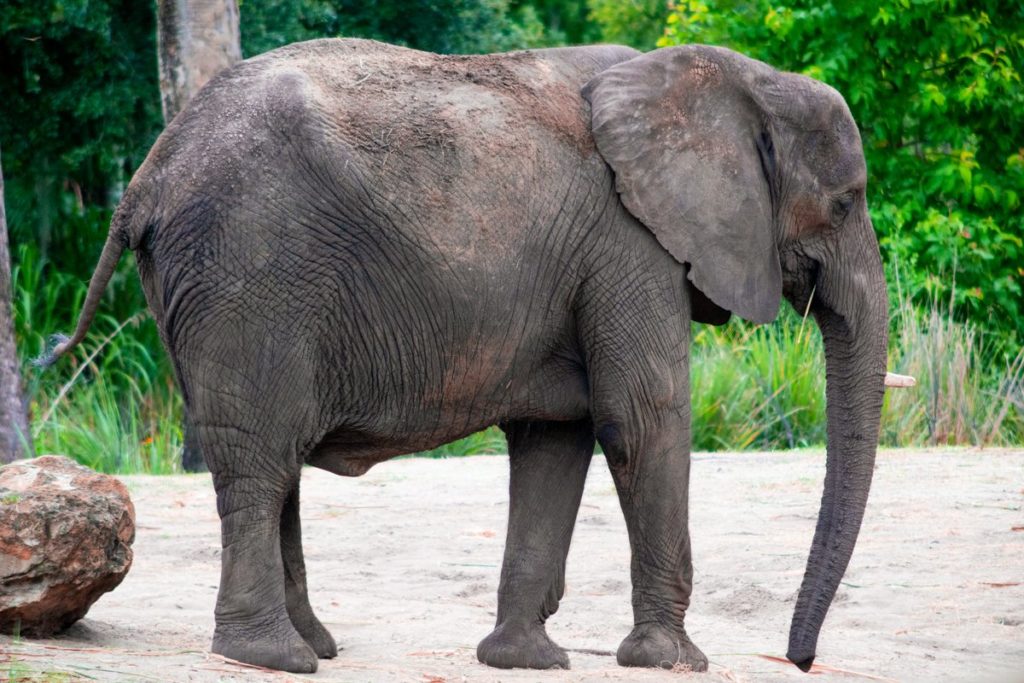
(380, 98)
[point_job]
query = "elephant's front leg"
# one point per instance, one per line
(549, 462)
(652, 483)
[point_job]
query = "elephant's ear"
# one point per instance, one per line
(685, 137)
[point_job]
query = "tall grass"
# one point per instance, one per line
(121, 419)
(757, 387)
(113, 405)
(970, 388)
(764, 387)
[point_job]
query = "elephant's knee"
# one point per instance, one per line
(612, 438)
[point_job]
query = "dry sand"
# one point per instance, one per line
(404, 565)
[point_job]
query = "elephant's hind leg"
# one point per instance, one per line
(252, 483)
(549, 464)
(296, 593)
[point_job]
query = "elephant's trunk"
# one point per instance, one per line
(853, 317)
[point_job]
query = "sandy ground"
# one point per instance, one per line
(404, 565)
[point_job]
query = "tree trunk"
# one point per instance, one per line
(15, 437)
(195, 40)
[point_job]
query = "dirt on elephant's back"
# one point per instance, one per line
(387, 96)
(404, 562)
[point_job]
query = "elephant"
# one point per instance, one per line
(354, 251)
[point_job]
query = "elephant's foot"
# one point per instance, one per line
(651, 645)
(515, 646)
(315, 634)
(279, 648)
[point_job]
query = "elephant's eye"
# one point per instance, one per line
(841, 206)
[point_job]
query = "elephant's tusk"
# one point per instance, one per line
(899, 381)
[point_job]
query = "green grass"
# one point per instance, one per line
(970, 387)
(757, 387)
(491, 441)
(113, 406)
(764, 387)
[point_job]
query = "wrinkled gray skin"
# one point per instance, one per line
(355, 251)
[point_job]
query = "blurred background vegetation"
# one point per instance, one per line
(935, 86)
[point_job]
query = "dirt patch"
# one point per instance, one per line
(404, 564)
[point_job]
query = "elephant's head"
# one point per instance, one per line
(755, 178)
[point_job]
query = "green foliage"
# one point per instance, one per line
(112, 405)
(970, 389)
(758, 387)
(764, 387)
(562, 22)
(488, 442)
(637, 23)
(114, 429)
(81, 109)
(448, 26)
(935, 86)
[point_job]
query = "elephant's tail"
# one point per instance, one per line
(117, 242)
